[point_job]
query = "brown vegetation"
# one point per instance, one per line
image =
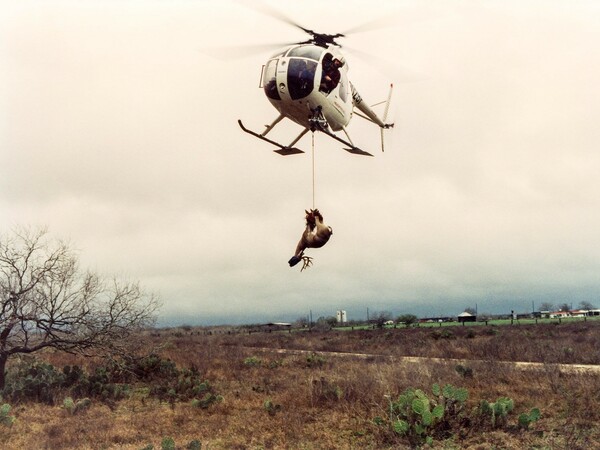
(315, 400)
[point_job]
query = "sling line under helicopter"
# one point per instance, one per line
(312, 154)
(316, 234)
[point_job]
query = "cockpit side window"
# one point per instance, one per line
(301, 77)
(270, 80)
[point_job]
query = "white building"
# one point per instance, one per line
(341, 316)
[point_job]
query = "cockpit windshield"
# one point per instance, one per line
(307, 51)
(301, 77)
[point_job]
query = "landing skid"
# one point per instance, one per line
(283, 149)
(351, 148)
(317, 124)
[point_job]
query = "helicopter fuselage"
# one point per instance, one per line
(297, 83)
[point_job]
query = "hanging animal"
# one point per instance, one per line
(315, 235)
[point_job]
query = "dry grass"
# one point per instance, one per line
(320, 401)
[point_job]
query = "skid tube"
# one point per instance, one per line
(284, 150)
(351, 148)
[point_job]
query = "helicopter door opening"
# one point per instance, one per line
(269, 79)
(330, 76)
(301, 77)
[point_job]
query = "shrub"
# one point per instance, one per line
(38, 381)
(33, 380)
(271, 407)
(315, 360)
(323, 391)
(526, 419)
(194, 445)
(413, 417)
(407, 319)
(76, 407)
(465, 371)
(150, 368)
(252, 361)
(69, 405)
(5, 418)
(168, 443)
(419, 417)
(491, 331)
(443, 334)
(206, 401)
(73, 375)
(497, 412)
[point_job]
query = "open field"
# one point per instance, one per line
(333, 389)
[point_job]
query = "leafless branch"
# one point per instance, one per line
(45, 301)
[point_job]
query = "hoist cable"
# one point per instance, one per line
(313, 170)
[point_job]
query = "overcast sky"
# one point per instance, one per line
(118, 132)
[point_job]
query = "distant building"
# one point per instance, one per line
(435, 319)
(341, 316)
(274, 326)
(522, 316)
(466, 317)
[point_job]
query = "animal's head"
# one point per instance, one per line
(311, 217)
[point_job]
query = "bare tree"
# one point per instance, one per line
(301, 322)
(564, 307)
(546, 306)
(47, 302)
(407, 319)
(380, 318)
(584, 304)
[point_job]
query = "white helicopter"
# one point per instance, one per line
(308, 84)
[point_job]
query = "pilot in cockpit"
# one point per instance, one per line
(331, 73)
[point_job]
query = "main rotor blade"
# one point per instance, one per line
(400, 74)
(394, 19)
(267, 10)
(225, 53)
(376, 24)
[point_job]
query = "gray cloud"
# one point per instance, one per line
(119, 132)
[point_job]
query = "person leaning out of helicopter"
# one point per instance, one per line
(331, 73)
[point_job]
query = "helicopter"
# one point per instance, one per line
(308, 84)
